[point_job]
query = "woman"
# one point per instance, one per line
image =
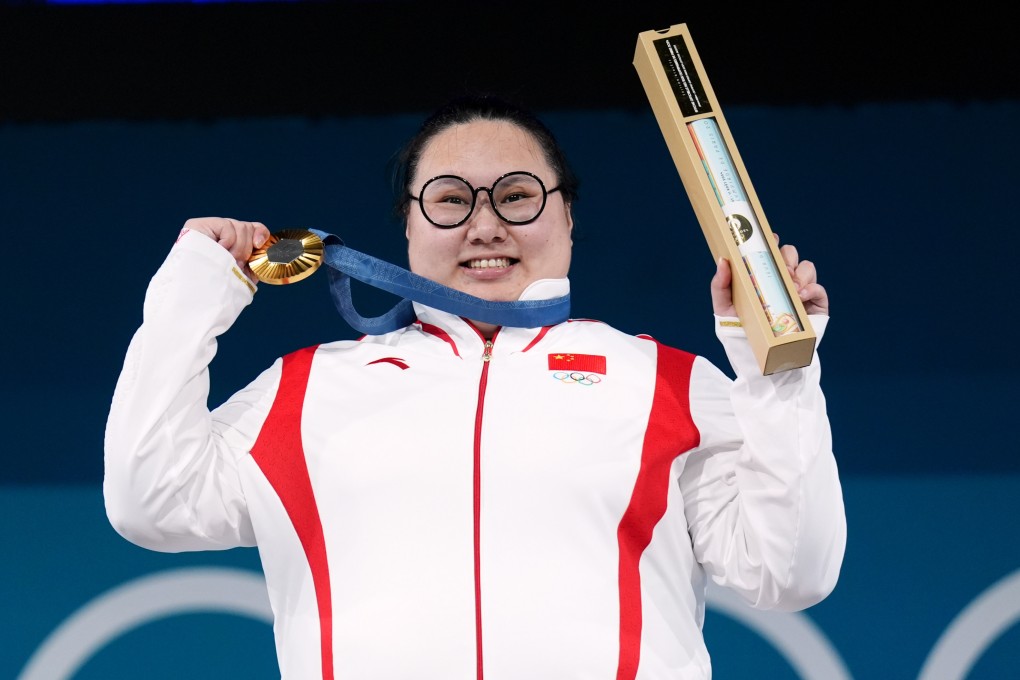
(457, 499)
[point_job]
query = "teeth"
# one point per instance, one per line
(491, 262)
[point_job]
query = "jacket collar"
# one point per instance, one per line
(468, 341)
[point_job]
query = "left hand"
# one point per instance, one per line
(803, 273)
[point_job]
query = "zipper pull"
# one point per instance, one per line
(487, 354)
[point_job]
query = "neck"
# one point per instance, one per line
(486, 330)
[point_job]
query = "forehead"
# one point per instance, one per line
(481, 151)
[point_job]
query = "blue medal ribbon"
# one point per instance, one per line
(345, 263)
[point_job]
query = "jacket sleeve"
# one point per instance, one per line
(761, 493)
(171, 478)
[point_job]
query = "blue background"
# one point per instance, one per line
(906, 207)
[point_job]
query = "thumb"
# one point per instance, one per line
(722, 295)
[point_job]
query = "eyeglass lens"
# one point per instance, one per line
(516, 198)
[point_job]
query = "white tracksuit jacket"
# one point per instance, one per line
(429, 506)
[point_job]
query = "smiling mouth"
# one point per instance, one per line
(490, 263)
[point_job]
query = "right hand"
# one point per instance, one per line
(239, 238)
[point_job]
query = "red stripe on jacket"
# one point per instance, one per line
(671, 432)
(280, 455)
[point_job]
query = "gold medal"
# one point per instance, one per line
(287, 256)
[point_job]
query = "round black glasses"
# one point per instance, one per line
(447, 201)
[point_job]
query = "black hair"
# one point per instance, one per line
(466, 109)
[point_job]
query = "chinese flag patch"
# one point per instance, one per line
(587, 363)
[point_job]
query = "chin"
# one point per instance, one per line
(494, 290)
(493, 294)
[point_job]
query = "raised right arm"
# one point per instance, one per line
(171, 477)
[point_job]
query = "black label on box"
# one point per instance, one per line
(683, 78)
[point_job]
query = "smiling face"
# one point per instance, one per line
(485, 256)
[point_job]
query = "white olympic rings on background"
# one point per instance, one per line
(137, 602)
(973, 630)
(243, 592)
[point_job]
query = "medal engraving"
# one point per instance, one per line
(285, 251)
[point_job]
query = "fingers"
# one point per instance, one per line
(815, 298)
(722, 291)
(804, 273)
(790, 257)
(805, 279)
(261, 234)
(238, 237)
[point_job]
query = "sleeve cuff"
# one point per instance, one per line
(734, 340)
(199, 243)
(731, 327)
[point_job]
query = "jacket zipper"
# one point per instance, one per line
(477, 502)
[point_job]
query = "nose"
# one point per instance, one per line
(484, 225)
